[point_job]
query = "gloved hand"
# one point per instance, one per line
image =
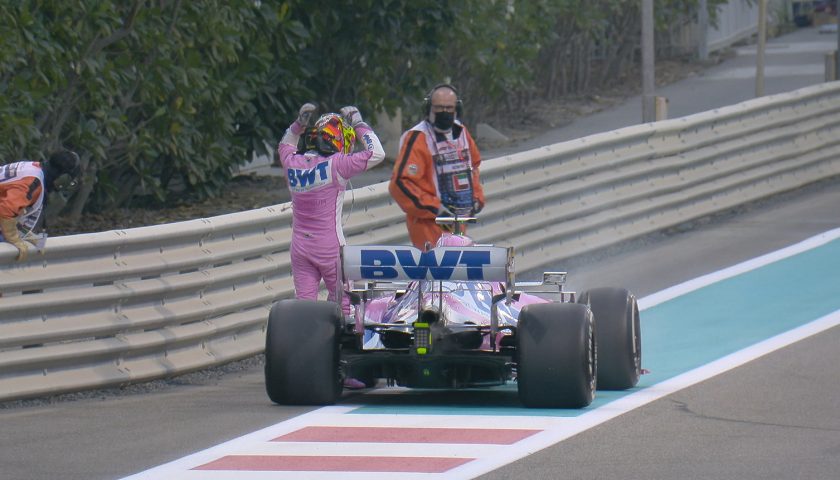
(477, 207)
(305, 114)
(351, 115)
(8, 226)
(38, 241)
(444, 212)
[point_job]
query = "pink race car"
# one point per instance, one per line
(453, 317)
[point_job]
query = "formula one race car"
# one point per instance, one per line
(453, 317)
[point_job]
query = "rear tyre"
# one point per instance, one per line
(619, 336)
(556, 356)
(302, 353)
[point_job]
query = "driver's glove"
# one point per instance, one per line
(305, 113)
(351, 115)
(304, 116)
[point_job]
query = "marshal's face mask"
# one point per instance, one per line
(444, 120)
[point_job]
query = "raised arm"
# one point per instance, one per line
(288, 144)
(373, 153)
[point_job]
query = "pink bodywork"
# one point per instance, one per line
(458, 302)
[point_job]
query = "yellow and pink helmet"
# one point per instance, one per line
(334, 135)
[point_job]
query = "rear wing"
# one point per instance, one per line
(388, 263)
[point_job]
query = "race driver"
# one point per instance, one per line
(317, 178)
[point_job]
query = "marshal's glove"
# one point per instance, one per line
(477, 207)
(444, 212)
(351, 115)
(8, 226)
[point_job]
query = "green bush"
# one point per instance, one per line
(164, 98)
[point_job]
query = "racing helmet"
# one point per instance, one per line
(307, 140)
(334, 135)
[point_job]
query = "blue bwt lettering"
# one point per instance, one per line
(383, 264)
(306, 176)
(378, 264)
(475, 262)
(428, 262)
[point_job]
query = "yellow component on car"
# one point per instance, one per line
(422, 338)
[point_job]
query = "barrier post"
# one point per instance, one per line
(661, 108)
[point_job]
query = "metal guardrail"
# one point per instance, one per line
(124, 306)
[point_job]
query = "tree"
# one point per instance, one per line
(163, 98)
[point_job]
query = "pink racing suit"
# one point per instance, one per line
(317, 184)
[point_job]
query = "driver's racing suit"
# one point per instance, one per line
(317, 184)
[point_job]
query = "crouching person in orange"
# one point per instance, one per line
(436, 172)
(23, 189)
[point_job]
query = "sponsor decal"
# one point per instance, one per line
(9, 171)
(412, 169)
(381, 264)
(304, 179)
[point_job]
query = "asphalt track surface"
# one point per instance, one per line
(774, 417)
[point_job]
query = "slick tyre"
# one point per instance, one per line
(302, 353)
(619, 336)
(556, 360)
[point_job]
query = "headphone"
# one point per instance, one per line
(427, 100)
(65, 161)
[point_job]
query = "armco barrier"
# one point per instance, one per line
(125, 306)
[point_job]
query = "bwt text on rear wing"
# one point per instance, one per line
(388, 263)
(380, 265)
